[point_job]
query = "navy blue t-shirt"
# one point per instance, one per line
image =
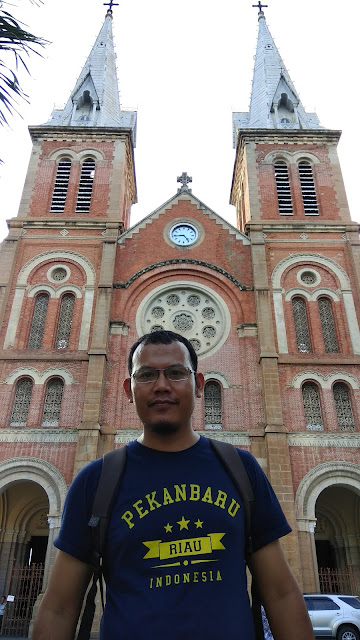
(174, 564)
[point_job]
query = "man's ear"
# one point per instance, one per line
(127, 388)
(199, 384)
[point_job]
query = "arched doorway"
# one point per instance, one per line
(32, 493)
(328, 516)
(337, 539)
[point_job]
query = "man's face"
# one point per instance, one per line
(164, 406)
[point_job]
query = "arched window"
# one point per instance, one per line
(21, 403)
(301, 325)
(327, 325)
(308, 188)
(213, 408)
(61, 185)
(85, 185)
(312, 407)
(38, 321)
(343, 407)
(52, 404)
(283, 188)
(65, 321)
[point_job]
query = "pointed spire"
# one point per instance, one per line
(94, 101)
(275, 103)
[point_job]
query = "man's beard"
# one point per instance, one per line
(164, 428)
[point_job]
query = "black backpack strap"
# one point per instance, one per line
(234, 466)
(111, 475)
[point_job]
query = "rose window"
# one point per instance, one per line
(195, 312)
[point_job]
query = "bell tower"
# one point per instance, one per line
(290, 201)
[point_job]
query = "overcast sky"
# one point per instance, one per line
(185, 66)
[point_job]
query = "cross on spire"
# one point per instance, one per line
(184, 179)
(260, 6)
(111, 4)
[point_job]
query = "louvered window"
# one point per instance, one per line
(52, 404)
(308, 189)
(327, 325)
(38, 321)
(283, 188)
(85, 185)
(61, 185)
(65, 321)
(344, 412)
(312, 407)
(212, 401)
(301, 325)
(21, 404)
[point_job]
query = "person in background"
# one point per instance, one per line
(2, 610)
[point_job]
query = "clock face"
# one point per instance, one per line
(183, 234)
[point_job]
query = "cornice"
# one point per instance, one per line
(38, 435)
(70, 133)
(294, 136)
(340, 440)
(43, 356)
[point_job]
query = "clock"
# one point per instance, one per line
(183, 234)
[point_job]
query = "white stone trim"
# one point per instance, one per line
(58, 266)
(42, 434)
(214, 375)
(38, 471)
(59, 255)
(341, 473)
(39, 288)
(345, 290)
(40, 377)
(297, 292)
(68, 288)
(22, 283)
(311, 295)
(306, 270)
(86, 318)
(280, 321)
(14, 317)
(325, 381)
(348, 440)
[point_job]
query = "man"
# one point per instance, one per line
(174, 565)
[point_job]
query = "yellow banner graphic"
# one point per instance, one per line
(187, 547)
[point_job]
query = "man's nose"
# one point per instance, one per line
(162, 381)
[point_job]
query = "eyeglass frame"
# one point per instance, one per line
(190, 371)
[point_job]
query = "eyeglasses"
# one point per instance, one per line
(173, 373)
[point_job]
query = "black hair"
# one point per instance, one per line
(163, 337)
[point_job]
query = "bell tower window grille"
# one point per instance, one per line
(301, 325)
(52, 404)
(312, 407)
(345, 416)
(65, 321)
(85, 185)
(328, 325)
(38, 321)
(308, 189)
(213, 405)
(21, 404)
(283, 188)
(61, 185)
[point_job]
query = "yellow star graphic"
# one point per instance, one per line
(199, 524)
(168, 528)
(183, 524)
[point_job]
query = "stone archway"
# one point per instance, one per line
(328, 516)
(32, 494)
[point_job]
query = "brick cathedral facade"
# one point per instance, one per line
(271, 306)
